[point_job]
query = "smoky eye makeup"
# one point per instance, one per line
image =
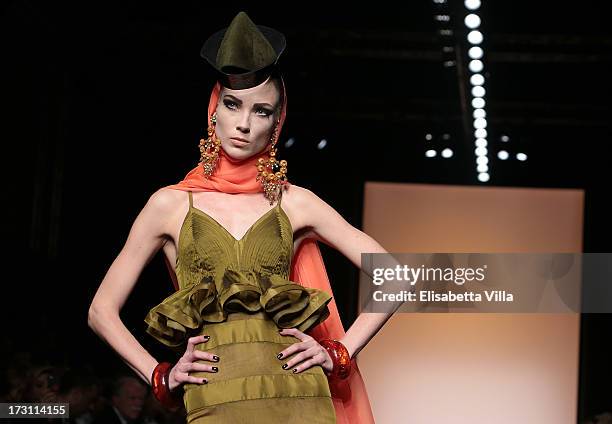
(232, 105)
(266, 111)
(229, 104)
(257, 108)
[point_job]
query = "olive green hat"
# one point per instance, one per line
(243, 55)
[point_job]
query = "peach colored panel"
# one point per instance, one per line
(473, 368)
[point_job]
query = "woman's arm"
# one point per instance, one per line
(146, 237)
(328, 226)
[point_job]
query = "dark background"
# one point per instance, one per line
(104, 103)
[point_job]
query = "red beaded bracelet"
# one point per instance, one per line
(340, 357)
(160, 382)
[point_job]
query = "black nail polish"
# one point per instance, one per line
(215, 369)
(215, 358)
(280, 355)
(294, 370)
(206, 337)
(285, 366)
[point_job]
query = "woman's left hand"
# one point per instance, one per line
(312, 353)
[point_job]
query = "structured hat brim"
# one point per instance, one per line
(249, 78)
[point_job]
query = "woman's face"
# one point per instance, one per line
(248, 114)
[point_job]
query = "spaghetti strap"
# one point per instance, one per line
(190, 200)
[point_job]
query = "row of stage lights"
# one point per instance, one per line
(475, 38)
(430, 153)
(475, 52)
(447, 152)
(476, 67)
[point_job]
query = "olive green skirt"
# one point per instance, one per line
(250, 386)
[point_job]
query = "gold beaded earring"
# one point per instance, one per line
(271, 172)
(209, 148)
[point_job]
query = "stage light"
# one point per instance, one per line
(478, 91)
(479, 113)
(447, 153)
(445, 136)
(476, 65)
(504, 138)
(472, 4)
(478, 103)
(480, 123)
(481, 142)
(322, 144)
(482, 168)
(483, 176)
(482, 159)
(481, 151)
(442, 18)
(428, 136)
(290, 142)
(472, 21)
(521, 156)
(430, 153)
(477, 79)
(475, 52)
(480, 133)
(503, 155)
(475, 37)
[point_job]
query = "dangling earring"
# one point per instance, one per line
(209, 148)
(272, 173)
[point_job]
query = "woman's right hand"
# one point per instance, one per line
(179, 374)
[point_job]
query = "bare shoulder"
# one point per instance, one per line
(163, 207)
(166, 200)
(304, 207)
(299, 197)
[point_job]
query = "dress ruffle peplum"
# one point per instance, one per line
(186, 311)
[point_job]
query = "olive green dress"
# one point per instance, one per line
(238, 293)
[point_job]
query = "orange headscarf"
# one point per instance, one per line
(307, 269)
